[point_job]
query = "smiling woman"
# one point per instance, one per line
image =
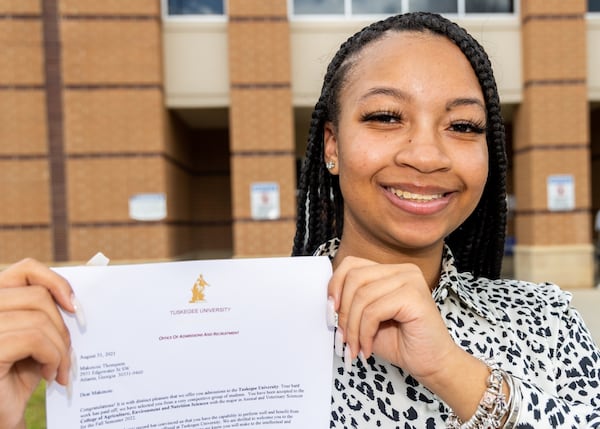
(399, 101)
(408, 143)
(403, 187)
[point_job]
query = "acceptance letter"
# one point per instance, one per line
(199, 344)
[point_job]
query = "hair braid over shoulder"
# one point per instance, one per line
(478, 244)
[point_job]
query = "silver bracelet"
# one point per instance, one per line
(493, 406)
(515, 402)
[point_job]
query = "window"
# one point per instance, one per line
(593, 5)
(348, 8)
(489, 6)
(441, 6)
(387, 7)
(318, 7)
(195, 7)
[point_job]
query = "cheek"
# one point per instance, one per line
(361, 155)
(479, 169)
(472, 165)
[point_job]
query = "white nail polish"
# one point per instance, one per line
(69, 388)
(79, 314)
(362, 358)
(338, 344)
(51, 380)
(74, 367)
(347, 359)
(331, 314)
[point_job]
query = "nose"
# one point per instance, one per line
(423, 150)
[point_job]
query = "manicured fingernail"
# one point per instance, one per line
(51, 379)
(331, 313)
(362, 358)
(74, 368)
(347, 359)
(79, 314)
(338, 344)
(69, 388)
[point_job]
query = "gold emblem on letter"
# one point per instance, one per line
(198, 290)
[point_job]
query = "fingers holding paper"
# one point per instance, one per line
(388, 310)
(29, 272)
(34, 341)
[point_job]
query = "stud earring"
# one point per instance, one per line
(330, 164)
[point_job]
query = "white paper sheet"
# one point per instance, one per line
(199, 344)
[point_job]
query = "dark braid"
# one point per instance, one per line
(478, 244)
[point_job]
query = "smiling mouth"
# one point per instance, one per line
(405, 195)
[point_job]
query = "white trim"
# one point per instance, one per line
(347, 9)
(405, 4)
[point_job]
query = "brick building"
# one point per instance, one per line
(148, 130)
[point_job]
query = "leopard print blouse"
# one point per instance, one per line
(529, 329)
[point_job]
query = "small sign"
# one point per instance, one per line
(148, 207)
(561, 192)
(264, 200)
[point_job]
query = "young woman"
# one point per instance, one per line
(404, 188)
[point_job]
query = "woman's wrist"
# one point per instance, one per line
(460, 382)
(493, 409)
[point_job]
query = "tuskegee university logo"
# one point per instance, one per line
(198, 290)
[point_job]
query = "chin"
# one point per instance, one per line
(416, 244)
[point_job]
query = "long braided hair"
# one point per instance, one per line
(478, 244)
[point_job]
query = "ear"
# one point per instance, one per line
(330, 146)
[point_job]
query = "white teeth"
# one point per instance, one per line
(405, 195)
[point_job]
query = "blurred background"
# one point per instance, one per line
(174, 129)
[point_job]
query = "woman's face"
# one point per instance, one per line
(409, 144)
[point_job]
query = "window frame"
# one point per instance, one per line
(349, 16)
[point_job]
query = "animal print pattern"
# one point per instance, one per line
(529, 329)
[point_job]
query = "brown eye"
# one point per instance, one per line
(383, 117)
(467, 127)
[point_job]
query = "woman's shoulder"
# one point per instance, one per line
(508, 292)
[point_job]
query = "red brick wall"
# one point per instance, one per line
(551, 126)
(261, 122)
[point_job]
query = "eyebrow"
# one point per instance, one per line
(386, 90)
(465, 102)
(402, 95)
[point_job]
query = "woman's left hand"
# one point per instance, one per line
(388, 310)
